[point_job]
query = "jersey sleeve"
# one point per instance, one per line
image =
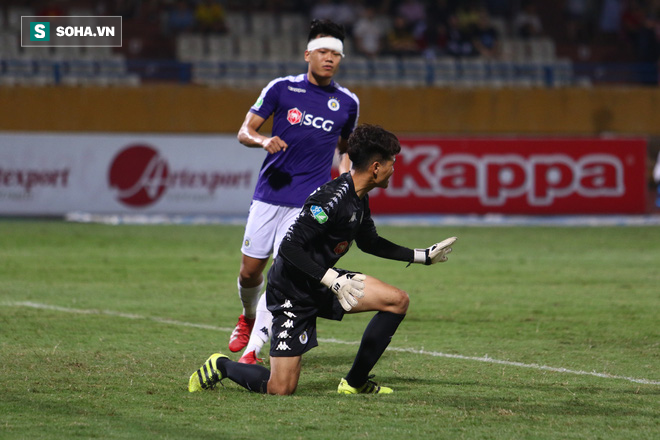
(352, 121)
(267, 101)
(307, 229)
(370, 242)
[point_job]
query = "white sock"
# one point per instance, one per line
(262, 328)
(249, 297)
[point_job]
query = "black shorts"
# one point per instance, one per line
(294, 317)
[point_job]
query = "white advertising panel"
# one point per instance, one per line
(54, 174)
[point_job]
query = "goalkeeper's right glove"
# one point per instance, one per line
(348, 287)
(434, 254)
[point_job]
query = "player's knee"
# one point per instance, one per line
(250, 276)
(281, 389)
(402, 300)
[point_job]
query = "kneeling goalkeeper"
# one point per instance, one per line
(303, 283)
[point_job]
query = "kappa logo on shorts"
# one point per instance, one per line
(303, 338)
(283, 335)
(282, 346)
(318, 214)
(288, 324)
(287, 304)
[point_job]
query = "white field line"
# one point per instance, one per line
(485, 359)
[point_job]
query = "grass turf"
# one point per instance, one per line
(101, 326)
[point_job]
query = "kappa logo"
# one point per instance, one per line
(318, 214)
(283, 335)
(282, 346)
(296, 117)
(288, 324)
(264, 330)
(290, 314)
(287, 304)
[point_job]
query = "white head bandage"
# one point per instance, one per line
(331, 43)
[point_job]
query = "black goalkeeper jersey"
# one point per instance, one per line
(332, 218)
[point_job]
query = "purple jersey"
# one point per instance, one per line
(310, 120)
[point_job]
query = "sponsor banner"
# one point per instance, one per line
(61, 31)
(53, 174)
(516, 176)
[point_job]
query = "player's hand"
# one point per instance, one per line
(348, 287)
(436, 253)
(274, 144)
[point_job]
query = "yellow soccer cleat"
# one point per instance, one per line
(370, 387)
(207, 376)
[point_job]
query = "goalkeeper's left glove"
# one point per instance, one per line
(434, 254)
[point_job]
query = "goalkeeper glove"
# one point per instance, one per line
(434, 254)
(348, 287)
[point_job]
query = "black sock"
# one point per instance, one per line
(376, 338)
(251, 377)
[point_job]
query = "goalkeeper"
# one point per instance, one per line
(303, 283)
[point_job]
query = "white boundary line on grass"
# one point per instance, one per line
(485, 359)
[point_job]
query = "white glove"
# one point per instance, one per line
(434, 254)
(348, 287)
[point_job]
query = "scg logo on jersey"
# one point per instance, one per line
(295, 116)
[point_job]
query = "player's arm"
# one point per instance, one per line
(370, 242)
(347, 287)
(249, 135)
(344, 161)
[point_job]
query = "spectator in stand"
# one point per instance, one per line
(369, 33)
(180, 18)
(414, 14)
(324, 10)
(210, 17)
(434, 40)
(485, 37)
(50, 9)
(459, 40)
(579, 20)
(609, 23)
(347, 13)
(527, 23)
(400, 39)
(468, 15)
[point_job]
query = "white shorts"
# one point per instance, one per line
(266, 226)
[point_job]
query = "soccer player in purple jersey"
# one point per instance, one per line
(312, 117)
(303, 283)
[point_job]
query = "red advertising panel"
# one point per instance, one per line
(516, 176)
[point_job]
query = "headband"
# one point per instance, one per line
(331, 43)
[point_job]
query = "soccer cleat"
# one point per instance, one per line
(370, 387)
(250, 358)
(241, 335)
(207, 376)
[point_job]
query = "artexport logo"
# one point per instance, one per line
(139, 174)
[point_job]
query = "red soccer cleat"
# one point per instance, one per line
(250, 358)
(241, 335)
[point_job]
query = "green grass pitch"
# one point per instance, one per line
(526, 333)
